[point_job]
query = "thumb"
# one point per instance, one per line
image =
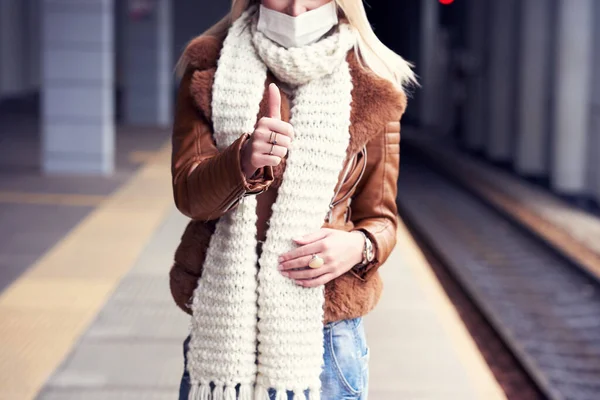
(274, 101)
(312, 237)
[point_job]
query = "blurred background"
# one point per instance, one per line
(492, 291)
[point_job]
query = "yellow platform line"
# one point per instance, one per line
(484, 382)
(51, 199)
(45, 311)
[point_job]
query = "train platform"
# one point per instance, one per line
(526, 261)
(92, 316)
(575, 233)
(37, 210)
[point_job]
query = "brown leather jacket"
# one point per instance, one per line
(208, 183)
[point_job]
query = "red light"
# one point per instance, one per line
(446, 2)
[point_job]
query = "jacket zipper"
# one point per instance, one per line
(233, 201)
(334, 203)
(239, 198)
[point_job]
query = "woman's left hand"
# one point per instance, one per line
(339, 249)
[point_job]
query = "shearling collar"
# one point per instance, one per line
(375, 101)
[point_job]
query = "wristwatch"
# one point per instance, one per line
(368, 252)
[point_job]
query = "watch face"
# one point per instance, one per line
(370, 254)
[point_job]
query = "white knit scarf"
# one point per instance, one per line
(252, 328)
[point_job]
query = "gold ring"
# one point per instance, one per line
(271, 152)
(273, 138)
(316, 262)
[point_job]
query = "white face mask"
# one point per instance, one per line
(298, 31)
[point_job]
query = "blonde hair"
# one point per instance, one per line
(371, 52)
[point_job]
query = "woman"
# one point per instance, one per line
(285, 157)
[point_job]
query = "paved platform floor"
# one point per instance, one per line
(37, 210)
(93, 317)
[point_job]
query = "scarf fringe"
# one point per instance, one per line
(299, 395)
(219, 393)
(245, 393)
(200, 391)
(204, 392)
(229, 393)
(261, 393)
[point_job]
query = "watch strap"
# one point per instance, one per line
(368, 253)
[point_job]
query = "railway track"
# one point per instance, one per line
(541, 306)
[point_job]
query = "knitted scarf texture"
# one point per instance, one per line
(252, 329)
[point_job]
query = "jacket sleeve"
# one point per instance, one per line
(374, 209)
(206, 183)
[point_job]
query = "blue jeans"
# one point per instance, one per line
(345, 375)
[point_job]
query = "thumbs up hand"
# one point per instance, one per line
(270, 141)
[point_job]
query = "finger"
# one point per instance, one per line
(300, 262)
(268, 125)
(278, 138)
(302, 251)
(305, 274)
(265, 160)
(311, 283)
(274, 101)
(272, 150)
(312, 237)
